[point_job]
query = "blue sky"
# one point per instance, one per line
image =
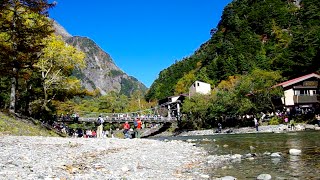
(143, 37)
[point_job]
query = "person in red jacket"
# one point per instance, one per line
(137, 125)
(126, 128)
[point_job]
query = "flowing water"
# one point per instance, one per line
(305, 166)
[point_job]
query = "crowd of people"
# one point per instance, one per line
(68, 117)
(287, 116)
(98, 131)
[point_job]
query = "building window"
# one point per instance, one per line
(314, 92)
(303, 92)
(198, 84)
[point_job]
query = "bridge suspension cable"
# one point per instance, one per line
(153, 110)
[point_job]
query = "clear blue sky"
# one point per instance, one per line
(143, 37)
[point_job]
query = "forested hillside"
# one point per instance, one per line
(271, 35)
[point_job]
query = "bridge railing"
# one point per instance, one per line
(129, 119)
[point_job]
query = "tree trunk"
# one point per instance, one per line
(14, 78)
(12, 106)
(45, 101)
(27, 106)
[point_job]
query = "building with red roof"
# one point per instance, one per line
(301, 92)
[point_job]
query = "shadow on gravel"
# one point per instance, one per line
(156, 131)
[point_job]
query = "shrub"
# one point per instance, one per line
(275, 121)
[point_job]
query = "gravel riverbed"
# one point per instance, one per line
(23, 157)
(36, 157)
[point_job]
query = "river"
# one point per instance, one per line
(305, 166)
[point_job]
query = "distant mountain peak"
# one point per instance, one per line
(101, 72)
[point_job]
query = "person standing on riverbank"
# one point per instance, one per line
(292, 125)
(126, 128)
(318, 119)
(219, 128)
(256, 124)
(100, 122)
(286, 120)
(137, 129)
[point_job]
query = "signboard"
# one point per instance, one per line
(310, 83)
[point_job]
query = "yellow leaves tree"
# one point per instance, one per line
(228, 84)
(58, 59)
(23, 25)
(185, 82)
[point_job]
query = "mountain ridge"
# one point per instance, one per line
(101, 71)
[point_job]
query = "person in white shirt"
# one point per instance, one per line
(100, 122)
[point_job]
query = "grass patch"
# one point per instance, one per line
(10, 125)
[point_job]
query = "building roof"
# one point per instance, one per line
(296, 80)
(180, 97)
(199, 82)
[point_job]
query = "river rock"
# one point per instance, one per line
(264, 177)
(300, 127)
(295, 152)
(249, 155)
(267, 153)
(204, 176)
(275, 155)
(283, 127)
(275, 161)
(309, 127)
(227, 178)
(236, 156)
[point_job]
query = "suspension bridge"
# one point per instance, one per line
(166, 112)
(124, 117)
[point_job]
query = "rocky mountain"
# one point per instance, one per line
(101, 71)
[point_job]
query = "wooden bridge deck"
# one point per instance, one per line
(130, 119)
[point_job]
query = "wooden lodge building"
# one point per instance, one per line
(301, 92)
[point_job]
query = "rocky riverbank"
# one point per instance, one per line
(35, 157)
(262, 129)
(23, 157)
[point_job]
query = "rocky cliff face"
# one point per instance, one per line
(101, 72)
